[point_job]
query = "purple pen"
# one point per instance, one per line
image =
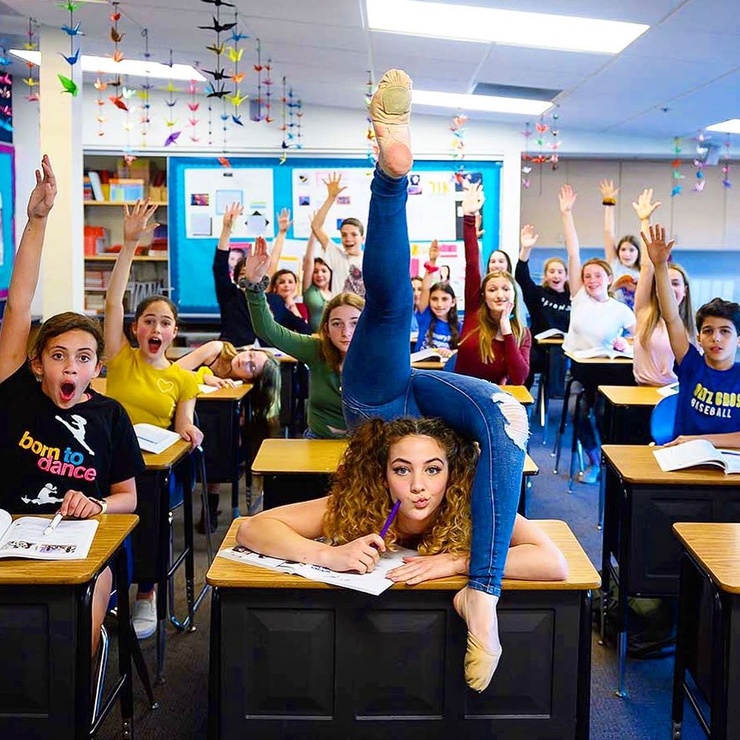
(389, 520)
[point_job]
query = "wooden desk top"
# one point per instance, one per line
(600, 360)
(111, 532)
(551, 342)
(717, 547)
(222, 394)
(637, 464)
(429, 364)
(175, 353)
(631, 395)
(581, 573)
(165, 460)
(520, 392)
(320, 456)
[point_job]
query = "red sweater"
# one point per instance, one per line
(511, 362)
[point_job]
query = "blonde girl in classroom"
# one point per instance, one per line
(323, 354)
(597, 320)
(437, 321)
(654, 360)
(624, 257)
(495, 342)
(151, 388)
(46, 402)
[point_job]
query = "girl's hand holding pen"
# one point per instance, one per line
(360, 555)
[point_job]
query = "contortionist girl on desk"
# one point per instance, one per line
(378, 382)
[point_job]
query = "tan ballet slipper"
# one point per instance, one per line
(390, 112)
(480, 664)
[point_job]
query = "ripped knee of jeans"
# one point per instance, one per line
(517, 425)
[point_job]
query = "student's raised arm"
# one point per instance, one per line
(609, 201)
(291, 531)
(644, 207)
(533, 556)
(472, 203)
(284, 222)
(566, 200)
(333, 188)
(135, 226)
(16, 324)
(430, 269)
(308, 259)
(659, 253)
(232, 212)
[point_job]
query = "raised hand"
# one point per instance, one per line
(478, 223)
(644, 207)
(284, 221)
(473, 199)
(566, 199)
(255, 266)
(232, 212)
(434, 251)
(136, 221)
(527, 237)
(334, 185)
(658, 251)
(608, 191)
(360, 555)
(41, 200)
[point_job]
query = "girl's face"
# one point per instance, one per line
(285, 286)
(555, 277)
(66, 366)
(596, 281)
(155, 329)
(498, 261)
(440, 303)
(321, 276)
(416, 285)
(248, 365)
(234, 256)
(341, 326)
(628, 254)
(417, 472)
(498, 292)
(677, 284)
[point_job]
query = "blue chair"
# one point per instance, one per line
(663, 419)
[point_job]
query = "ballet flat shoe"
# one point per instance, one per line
(391, 104)
(480, 664)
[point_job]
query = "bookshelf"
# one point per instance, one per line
(104, 229)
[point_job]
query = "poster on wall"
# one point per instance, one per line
(209, 192)
(431, 209)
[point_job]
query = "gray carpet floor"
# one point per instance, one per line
(644, 715)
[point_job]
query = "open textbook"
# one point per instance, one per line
(610, 352)
(25, 538)
(695, 453)
(154, 439)
(431, 353)
(548, 333)
(373, 583)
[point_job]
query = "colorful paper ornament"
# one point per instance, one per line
(72, 30)
(217, 87)
(32, 80)
(675, 165)
(726, 165)
(459, 132)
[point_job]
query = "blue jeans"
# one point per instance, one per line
(378, 382)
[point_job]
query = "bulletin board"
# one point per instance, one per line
(433, 212)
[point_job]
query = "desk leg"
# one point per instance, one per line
(686, 595)
(720, 697)
(83, 708)
(622, 602)
(163, 544)
(214, 668)
(235, 436)
(125, 635)
(583, 705)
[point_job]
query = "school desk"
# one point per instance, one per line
(301, 469)
(219, 417)
(627, 410)
(45, 633)
(292, 657)
(156, 563)
(711, 557)
(641, 504)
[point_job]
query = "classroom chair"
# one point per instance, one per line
(663, 419)
(576, 450)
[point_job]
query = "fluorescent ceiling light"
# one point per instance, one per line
(726, 127)
(488, 103)
(508, 27)
(133, 67)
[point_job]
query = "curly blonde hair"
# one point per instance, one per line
(359, 501)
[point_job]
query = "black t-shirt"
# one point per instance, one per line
(547, 308)
(236, 323)
(45, 451)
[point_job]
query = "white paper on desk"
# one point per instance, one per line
(370, 583)
(203, 388)
(549, 333)
(697, 453)
(668, 390)
(432, 353)
(25, 538)
(153, 438)
(610, 352)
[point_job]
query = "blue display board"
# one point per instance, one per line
(196, 186)
(7, 212)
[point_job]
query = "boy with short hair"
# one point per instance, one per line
(709, 386)
(345, 261)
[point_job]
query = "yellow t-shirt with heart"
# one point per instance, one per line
(148, 394)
